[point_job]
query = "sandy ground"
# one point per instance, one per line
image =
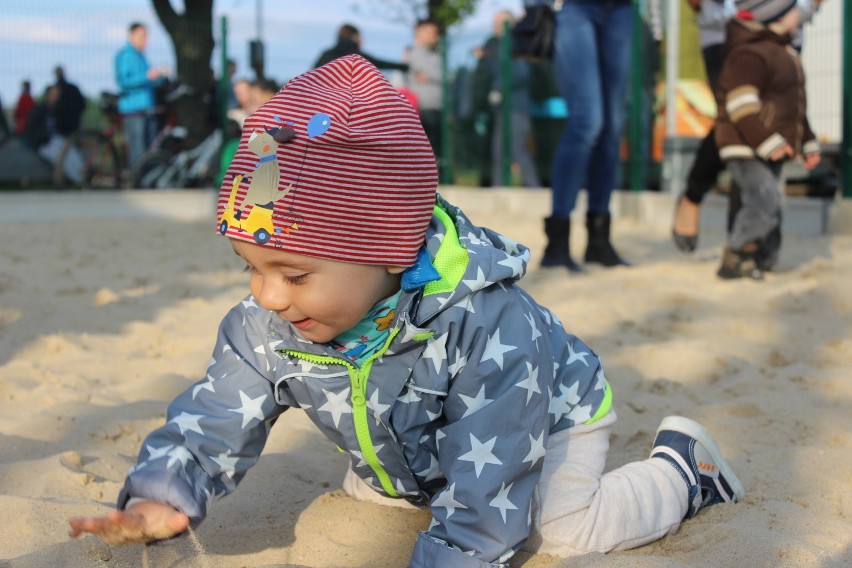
(103, 322)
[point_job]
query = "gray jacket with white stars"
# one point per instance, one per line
(453, 413)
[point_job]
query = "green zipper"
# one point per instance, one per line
(358, 379)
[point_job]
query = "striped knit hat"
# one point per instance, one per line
(336, 165)
(765, 11)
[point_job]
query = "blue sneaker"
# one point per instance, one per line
(690, 448)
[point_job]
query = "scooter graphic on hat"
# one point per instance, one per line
(263, 190)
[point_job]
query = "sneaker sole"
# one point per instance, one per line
(695, 430)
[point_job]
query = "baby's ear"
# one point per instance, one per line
(395, 269)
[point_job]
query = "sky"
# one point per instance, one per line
(83, 36)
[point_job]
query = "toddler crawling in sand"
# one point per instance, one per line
(397, 325)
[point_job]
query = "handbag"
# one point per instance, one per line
(532, 36)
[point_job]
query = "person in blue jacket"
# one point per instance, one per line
(398, 326)
(137, 81)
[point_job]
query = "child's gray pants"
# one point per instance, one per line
(761, 189)
(581, 509)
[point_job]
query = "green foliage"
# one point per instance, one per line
(445, 12)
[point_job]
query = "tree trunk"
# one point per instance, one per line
(192, 37)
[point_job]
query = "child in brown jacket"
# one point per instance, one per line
(762, 122)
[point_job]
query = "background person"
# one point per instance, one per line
(760, 72)
(425, 75)
(592, 67)
(349, 43)
(137, 100)
(26, 103)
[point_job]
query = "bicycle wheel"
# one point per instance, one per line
(89, 160)
(148, 170)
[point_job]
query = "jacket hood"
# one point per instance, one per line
(741, 32)
(467, 258)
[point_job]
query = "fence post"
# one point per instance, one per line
(445, 168)
(636, 106)
(224, 80)
(506, 105)
(846, 142)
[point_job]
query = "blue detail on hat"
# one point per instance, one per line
(318, 124)
(420, 273)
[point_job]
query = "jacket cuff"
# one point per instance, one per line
(430, 552)
(765, 149)
(810, 147)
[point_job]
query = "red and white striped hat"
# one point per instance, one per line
(336, 165)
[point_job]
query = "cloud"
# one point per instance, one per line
(39, 30)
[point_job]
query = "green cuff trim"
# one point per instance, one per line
(604, 408)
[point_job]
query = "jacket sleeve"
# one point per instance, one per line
(217, 428)
(742, 80)
(492, 446)
(131, 71)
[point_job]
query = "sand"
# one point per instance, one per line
(103, 321)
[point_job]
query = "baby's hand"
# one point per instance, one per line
(145, 521)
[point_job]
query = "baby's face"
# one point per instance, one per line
(320, 298)
(787, 23)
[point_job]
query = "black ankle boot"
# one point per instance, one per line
(557, 253)
(599, 248)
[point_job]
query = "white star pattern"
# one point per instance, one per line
(208, 385)
(261, 350)
(249, 303)
(535, 332)
(475, 403)
(510, 245)
(572, 356)
(156, 453)
(447, 500)
(336, 404)
(563, 404)
(531, 382)
(494, 350)
(580, 414)
(307, 366)
(188, 422)
(178, 454)
(377, 407)
(537, 450)
(480, 454)
(409, 396)
(458, 364)
(502, 502)
(514, 263)
(600, 383)
(436, 351)
(478, 283)
(433, 471)
(227, 464)
(361, 461)
(409, 332)
(466, 304)
(251, 409)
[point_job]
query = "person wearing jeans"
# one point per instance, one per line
(592, 67)
(137, 101)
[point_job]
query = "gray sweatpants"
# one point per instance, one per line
(580, 509)
(761, 189)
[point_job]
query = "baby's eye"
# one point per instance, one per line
(296, 280)
(248, 268)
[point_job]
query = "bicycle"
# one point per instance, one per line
(97, 159)
(193, 167)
